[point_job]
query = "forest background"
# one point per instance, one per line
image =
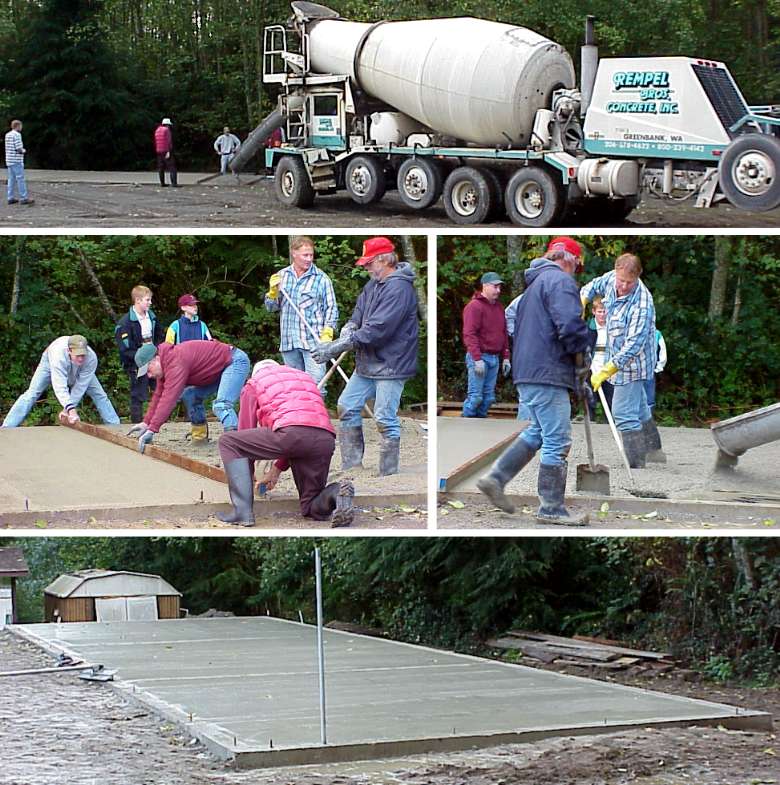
(60, 285)
(92, 78)
(717, 300)
(712, 601)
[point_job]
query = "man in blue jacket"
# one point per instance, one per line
(383, 331)
(548, 362)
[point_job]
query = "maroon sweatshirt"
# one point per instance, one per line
(196, 363)
(484, 328)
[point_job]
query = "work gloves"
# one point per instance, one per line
(273, 286)
(479, 367)
(506, 368)
(70, 416)
(138, 428)
(326, 336)
(144, 439)
(322, 352)
(609, 370)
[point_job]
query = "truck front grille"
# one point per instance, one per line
(722, 93)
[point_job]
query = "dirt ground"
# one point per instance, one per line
(112, 199)
(58, 728)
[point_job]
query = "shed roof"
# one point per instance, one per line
(12, 563)
(109, 583)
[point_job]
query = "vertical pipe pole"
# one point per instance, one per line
(320, 647)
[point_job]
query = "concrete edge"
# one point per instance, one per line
(203, 510)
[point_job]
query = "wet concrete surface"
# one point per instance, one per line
(749, 495)
(247, 687)
(111, 199)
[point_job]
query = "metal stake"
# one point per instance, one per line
(320, 647)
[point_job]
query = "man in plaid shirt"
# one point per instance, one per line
(311, 291)
(14, 160)
(630, 356)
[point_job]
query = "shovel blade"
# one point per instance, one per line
(593, 480)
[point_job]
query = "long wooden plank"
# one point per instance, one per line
(587, 644)
(457, 475)
(551, 649)
(158, 453)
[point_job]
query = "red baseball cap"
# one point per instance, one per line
(375, 246)
(569, 245)
(187, 299)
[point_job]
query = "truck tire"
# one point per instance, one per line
(497, 212)
(533, 198)
(365, 179)
(749, 172)
(292, 184)
(468, 196)
(419, 183)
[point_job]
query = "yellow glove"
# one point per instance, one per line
(610, 369)
(584, 300)
(273, 286)
(326, 336)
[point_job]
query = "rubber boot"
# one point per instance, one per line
(509, 463)
(653, 447)
(389, 450)
(551, 487)
(351, 446)
(634, 446)
(174, 179)
(337, 498)
(239, 477)
(199, 433)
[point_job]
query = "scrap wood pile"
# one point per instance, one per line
(581, 651)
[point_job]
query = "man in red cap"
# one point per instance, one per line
(188, 327)
(383, 331)
(548, 362)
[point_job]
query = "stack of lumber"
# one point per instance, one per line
(581, 651)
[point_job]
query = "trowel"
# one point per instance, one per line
(591, 476)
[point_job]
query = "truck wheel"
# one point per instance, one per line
(292, 184)
(419, 183)
(533, 198)
(497, 190)
(364, 179)
(468, 197)
(749, 172)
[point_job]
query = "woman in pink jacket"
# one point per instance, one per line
(282, 416)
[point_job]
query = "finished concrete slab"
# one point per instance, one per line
(248, 688)
(55, 468)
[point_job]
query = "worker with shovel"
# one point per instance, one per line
(304, 296)
(192, 371)
(283, 417)
(631, 356)
(383, 331)
(548, 358)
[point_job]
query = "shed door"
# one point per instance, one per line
(142, 609)
(113, 609)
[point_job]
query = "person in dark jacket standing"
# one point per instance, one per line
(191, 371)
(163, 149)
(548, 362)
(383, 331)
(137, 327)
(487, 345)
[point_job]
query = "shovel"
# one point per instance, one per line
(591, 476)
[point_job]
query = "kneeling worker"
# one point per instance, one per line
(192, 371)
(282, 416)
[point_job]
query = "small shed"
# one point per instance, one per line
(12, 566)
(108, 595)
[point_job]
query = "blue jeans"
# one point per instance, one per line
(227, 389)
(40, 382)
(650, 392)
(481, 389)
(16, 177)
(549, 410)
(387, 398)
(303, 361)
(629, 406)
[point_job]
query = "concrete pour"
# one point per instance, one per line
(248, 688)
(54, 468)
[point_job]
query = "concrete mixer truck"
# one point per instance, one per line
(487, 117)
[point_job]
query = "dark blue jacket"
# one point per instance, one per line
(127, 335)
(549, 329)
(386, 317)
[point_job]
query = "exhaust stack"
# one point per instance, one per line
(589, 60)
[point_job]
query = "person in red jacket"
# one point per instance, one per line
(163, 149)
(282, 416)
(487, 345)
(192, 371)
